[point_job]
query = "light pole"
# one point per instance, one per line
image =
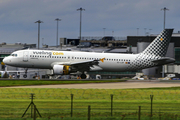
(164, 28)
(104, 31)
(137, 31)
(164, 14)
(57, 19)
(38, 30)
(80, 9)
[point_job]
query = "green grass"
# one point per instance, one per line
(56, 103)
(14, 82)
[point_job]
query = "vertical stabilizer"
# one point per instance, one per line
(160, 45)
(154, 53)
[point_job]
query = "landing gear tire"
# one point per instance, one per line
(83, 76)
(25, 76)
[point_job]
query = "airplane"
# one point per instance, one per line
(67, 62)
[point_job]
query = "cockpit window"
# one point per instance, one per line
(14, 55)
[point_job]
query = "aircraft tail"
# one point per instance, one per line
(160, 45)
(154, 54)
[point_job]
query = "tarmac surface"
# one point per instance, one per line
(116, 85)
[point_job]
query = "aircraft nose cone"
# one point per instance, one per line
(5, 60)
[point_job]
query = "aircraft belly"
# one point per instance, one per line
(114, 66)
(36, 63)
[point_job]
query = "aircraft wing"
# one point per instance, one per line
(164, 60)
(82, 65)
(83, 62)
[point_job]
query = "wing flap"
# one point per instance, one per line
(82, 62)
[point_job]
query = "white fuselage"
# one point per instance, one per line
(64, 62)
(45, 59)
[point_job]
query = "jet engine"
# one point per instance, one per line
(61, 69)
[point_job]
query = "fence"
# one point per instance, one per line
(101, 103)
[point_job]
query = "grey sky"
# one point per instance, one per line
(17, 18)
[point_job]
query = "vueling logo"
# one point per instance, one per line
(57, 53)
(102, 60)
(161, 39)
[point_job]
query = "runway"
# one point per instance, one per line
(118, 85)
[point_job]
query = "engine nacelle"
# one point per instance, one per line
(61, 69)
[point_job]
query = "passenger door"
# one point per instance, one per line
(25, 56)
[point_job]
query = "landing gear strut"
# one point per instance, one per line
(25, 75)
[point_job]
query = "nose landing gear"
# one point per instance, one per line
(25, 75)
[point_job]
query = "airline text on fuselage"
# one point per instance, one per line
(42, 53)
(47, 53)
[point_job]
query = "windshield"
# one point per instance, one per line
(15, 55)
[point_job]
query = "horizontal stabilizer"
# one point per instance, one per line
(164, 60)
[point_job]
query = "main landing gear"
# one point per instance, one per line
(83, 76)
(25, 75)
